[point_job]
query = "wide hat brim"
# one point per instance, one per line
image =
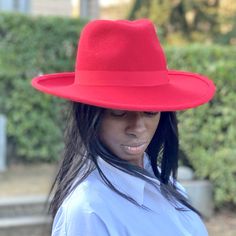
(183, 91)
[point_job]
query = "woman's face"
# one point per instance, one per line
(127, 134)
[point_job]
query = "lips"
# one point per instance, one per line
(134, 148)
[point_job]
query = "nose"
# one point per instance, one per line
(135, 124)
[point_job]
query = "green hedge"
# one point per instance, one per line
(208, 133)
(30, 46)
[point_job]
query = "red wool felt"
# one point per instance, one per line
(121, 65)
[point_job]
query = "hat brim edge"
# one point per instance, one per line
(50, 84)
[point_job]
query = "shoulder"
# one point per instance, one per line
(81, 209)
(180, 188)
(88, 196)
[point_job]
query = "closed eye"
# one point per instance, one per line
(118, 113)
(122, 113)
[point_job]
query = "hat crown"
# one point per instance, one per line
(121, 65)
(120, 46)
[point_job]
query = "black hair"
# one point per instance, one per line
(83, 146)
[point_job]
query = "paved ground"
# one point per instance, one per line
(27, 180)
(36, 179)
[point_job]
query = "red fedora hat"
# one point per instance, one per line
(121, 65)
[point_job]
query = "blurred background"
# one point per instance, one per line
(39, 37)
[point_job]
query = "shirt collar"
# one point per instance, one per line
(130, 185)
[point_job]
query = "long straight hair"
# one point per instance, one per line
(82, 147)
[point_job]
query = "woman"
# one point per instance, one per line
(118, 175)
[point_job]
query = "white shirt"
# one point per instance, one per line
(93, 209)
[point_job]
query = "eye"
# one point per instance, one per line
(149, 113)
(118, 113)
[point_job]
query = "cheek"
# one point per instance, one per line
(110, 138)
(108, 133)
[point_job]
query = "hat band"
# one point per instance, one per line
(121, 78)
